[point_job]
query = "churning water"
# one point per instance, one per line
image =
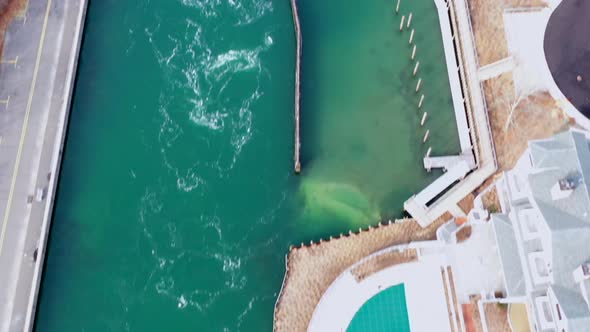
(177, 201)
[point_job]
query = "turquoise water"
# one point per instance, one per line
(385, 312)
(361, 121)
(177, 201)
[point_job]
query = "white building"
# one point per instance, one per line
(543, 232)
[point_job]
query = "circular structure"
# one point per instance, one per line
(567, 50)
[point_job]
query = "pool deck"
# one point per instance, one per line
(424, 293)
(310, 269)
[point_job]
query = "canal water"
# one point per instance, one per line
(177, 201)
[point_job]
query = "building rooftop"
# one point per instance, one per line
(563, 165)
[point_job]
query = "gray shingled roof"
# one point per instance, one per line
(513, 272)
(568, 218)
(575, 308)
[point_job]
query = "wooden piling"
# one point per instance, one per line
(426, 136)
(423, 119)
(401, 24)
(409, 20)
(297, 87)
(419, 84)
(411, 37)
(416, 68)
(413, 51)
(397, 6)
(421, 101)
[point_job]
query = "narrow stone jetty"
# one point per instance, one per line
(297, 160)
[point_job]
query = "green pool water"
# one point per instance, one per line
(385, 312)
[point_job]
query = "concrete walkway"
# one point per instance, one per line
(424, 292)
(37, 89)
(496, 69)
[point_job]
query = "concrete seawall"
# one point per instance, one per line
(56, 159)
(297, 160)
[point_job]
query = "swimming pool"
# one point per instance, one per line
(386, 311)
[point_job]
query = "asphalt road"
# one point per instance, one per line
(33, 96)
(567, 48)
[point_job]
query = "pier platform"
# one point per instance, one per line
(443, 195)
(447, 162)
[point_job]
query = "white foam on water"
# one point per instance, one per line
(243, 12)
(231, 265)
(189, 182)
(210, 96)
(182, 302)
(245, 312)
(268, 41)
(204, 76)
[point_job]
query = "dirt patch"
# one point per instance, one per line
(311, 269)
(454, 295)
(496, 317)
(516, 120)
(383, 261)
(471, 315)
(9, 9)
(525, 3)
(490, 201)
(488, 30)
(448, 300)
(487, 20)
(463, 234)
(466, 204)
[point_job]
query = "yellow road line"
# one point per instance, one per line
(24, 128)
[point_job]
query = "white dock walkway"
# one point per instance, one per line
(455, 173)
(455, 83)
(477, 113)
(496, 69)
(447, 162)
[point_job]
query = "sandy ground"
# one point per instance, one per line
(9, 9)
(488, 26)
(471, 315)
(463, 234)
(496, 317)
(311, 269)
(534, 117)
(449, 301)
(383, 261)
(466, 204)
(454, 295)
(519, 317)
(490, 201)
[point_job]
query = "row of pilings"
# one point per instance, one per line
(406, 28)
